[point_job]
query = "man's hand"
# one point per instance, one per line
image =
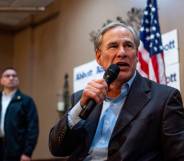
(95, 89)
(25, 158)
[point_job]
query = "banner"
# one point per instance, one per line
(86, 72)
(171, 57)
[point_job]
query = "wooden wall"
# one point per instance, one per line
(6, 49)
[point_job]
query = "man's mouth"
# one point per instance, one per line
(123, 65)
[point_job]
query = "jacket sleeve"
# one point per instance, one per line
(173, 128)
(57, 137)
(31, 136)
(64, 141)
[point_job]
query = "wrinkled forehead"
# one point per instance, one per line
(118, 32)
(119, 29)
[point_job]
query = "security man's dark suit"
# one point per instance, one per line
(150, 127)
(20, 127)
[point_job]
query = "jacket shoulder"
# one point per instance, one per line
(23, 95)
(162, 88)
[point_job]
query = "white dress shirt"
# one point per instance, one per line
(6, 98)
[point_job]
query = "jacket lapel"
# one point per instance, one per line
(91, 123)
(17, 96)
(136, 100)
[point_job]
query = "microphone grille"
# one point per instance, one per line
(111, 73)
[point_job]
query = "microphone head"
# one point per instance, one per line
(111, 73)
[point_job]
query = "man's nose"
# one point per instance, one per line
(121, 51)
(11, 77)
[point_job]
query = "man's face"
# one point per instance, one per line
(9, 79)
(118, 47)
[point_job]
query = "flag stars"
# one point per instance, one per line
(152, 16)
(145, 12)
(161, 48)
(157, 34)
(153, 28)
(147, 30)
(153, 9)
(147, 38)
(146, 21)
(142, 29)
(152, 36)
(155, 49)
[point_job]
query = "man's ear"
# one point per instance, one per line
(98, 55)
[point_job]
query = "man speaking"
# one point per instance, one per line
(130, 119)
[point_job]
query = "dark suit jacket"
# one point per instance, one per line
(150, 127)
(20, 126)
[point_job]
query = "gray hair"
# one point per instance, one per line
(103, 30)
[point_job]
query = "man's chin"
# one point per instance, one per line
(124, 76)
(12, 87)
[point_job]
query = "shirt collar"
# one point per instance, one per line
(124, 89)
(11, 94)
(130, 81)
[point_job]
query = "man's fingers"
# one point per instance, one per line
(95, 89)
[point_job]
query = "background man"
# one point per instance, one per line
(18, 120)
(135, 119)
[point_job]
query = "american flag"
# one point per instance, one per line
(150, 54)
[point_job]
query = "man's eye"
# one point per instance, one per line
(129, 45)
(113, 46)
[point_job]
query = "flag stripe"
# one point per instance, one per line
(155, 67)
(144, 64)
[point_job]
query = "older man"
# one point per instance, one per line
(135, 119)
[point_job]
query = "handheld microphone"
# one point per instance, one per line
(110, 75)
